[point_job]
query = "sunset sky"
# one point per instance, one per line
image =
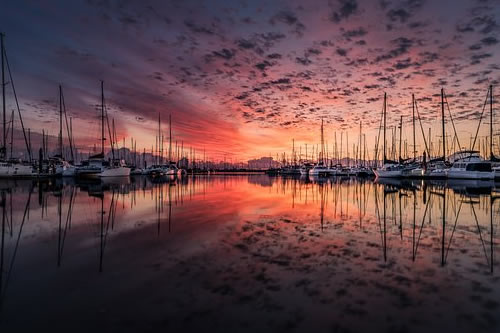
(244, 78)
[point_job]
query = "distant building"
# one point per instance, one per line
(263, 163)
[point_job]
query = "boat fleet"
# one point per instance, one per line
(98, 165)
(461, 164)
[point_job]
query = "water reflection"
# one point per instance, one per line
(118, 226)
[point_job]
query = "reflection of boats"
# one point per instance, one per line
(318, 179)
(402, 183)
(471, 186)
(262, 180)
(164, 179)
(116, 180)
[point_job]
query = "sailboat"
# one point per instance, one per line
(413, 168)
(439, 167)
(305, 167)
(156, 169)
(468, 164)
(495, 161)
(291, 168)
(171, 168)
(62, 167)
(10, 167)
(389, 169)
(96, 165)
(320, 169)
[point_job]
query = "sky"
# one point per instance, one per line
(245, 78)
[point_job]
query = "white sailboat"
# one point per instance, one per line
(171, 168)
(389, 169)
(305, 167)
(116, 168)
(62, 167)
(10, 167)
(65, 169)
(15, 168)
(467, 164)
(96, 165)
(320, 169)
(438, 169)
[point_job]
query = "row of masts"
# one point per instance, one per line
(486, 144)
(397, 150)
(71, 152)
(320, 155)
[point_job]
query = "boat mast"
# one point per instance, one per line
(359, 147)
(442, 122)
(102, 118)
(385, 111)
(4, 135)
(69, 128)
(60, 122)
(12, 135)
(322, 143)
(159, 136)
(347, 149)
(400, 136)
(414, 141)
(491, 122)
(170, 139)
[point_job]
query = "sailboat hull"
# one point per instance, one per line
(319, 172)
(66, 171)
(380, 173)
(171, 172)
(16, 170)
(462, 174)
(115, 172)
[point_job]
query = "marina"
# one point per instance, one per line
(460, 163)
(250, 166)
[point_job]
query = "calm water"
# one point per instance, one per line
(250, 253)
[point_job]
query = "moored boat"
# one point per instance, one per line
(467, 164)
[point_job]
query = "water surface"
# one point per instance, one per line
(249, 253)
